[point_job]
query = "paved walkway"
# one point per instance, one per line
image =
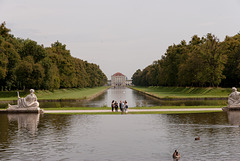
(131, 110)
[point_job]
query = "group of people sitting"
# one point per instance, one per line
(122, 105)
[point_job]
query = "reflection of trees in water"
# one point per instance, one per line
(212, 128)
(58, 126)
(142, 103)
(192, 102)
(217, 118)
(138, 104)
(4, 131)
(55, 124)
(195, 124)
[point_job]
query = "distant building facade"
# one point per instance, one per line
(118, 80)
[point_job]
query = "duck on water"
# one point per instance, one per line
(176, 155)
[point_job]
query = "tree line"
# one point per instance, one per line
(25, 64)
(202, 62)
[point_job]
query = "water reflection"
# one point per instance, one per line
(120, 137)
(27, 121)
(234, 117)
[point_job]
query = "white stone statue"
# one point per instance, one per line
(30, 101)
(234, 98)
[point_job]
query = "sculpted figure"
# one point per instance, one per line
(234, 97)
(27, 102)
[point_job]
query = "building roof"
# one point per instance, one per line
(118, 74)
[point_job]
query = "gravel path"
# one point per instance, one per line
(131, 110)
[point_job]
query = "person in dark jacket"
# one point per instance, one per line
(112, 105)
(121, 106)
(116, 106)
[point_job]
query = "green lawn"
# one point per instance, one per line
(109, 108)
(11, 95)
(133, 112)
(171, 112)
(141, 113)
(154, 107)
(60, 94)
(185, 92)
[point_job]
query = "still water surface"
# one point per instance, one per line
(119, 137)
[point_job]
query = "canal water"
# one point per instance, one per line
(120, 137)
(134, 99)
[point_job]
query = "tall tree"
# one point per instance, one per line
(231, 48)
(214, 60)
(32, 48)
(136, 78)
(4, 31)
(26, 64)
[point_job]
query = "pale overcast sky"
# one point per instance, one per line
(119, 35)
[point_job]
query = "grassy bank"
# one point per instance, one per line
(141, 113)
(171, 112)
(140, 108)
(154, 107)
(60, 94)
(184, 92)
(133, 110)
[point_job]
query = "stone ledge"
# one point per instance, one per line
(22, 111)
(234, 108)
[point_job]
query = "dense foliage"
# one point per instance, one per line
(202, 62)
(25, 64)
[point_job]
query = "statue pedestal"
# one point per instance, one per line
(24, 110)
(231, 108)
